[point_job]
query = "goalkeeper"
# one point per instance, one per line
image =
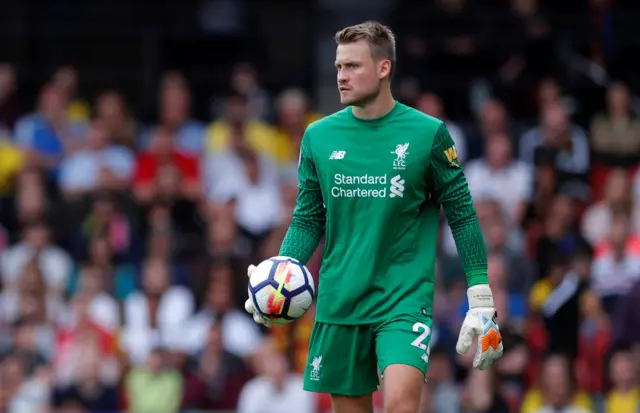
(372, 179)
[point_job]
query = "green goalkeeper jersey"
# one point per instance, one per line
(374, 188)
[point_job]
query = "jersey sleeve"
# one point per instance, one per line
(309, 216)
(449, 186)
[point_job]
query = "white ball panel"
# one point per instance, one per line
(260, 273)
(300, 304)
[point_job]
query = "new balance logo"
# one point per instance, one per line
(397, 187)
(337, 154)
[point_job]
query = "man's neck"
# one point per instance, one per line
(496, 167)
(619, 254)
(619, 114)
(379, 106)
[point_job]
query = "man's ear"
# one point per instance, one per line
(384, 68)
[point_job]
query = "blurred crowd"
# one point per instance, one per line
(124, 246)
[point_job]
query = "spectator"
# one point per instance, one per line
(549, 94)
(79, 346)
(13, 376)
(493, 120)
(119, 276)
(102, 308)
(512, 367)
(66, 77)
(626, 319)
(49, 134)
(597, 219)
(162, 163)
(175, 117)
(557, 391)
(237, 122)
(566, 141)
(557, 298)
(218, 376)
(224, 236)
(240, 336)
(31, 298)
(293, 117)
(560, 234)
(441, 382)
(496, 170)
(244, 80)
(482, 393)
(53, 261)
(259, 205)
(100, 165)
(156, 315)
(112, 112)
(35, 393)
(29, 203)
(275, 385)
(594, 344)
(30, 349)
(615, 135)
(106, 220)
(10, 105)
(624, 396)
(153, 388)
(88, 387)
(225, 173)
(615, 272)
(518, 267)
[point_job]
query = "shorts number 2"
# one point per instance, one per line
(424, 331)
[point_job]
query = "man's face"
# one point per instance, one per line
(7, 80)
(618, 98)
(37, 236)
(555, 121)
(155, 278)
(292, 111)
(498, 150)
(359, 75)
(162, 143)
(237, 110)
(175, 106)
(493, 117)
(98, 136)
(53, 102)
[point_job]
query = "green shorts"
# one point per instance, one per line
(344, 359)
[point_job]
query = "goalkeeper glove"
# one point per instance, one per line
(481, 321)
(249, 307)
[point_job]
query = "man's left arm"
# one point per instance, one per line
(449, 186)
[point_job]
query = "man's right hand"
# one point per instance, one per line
(250, 308)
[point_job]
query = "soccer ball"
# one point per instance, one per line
(282, 289)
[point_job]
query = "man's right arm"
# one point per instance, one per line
(309, 216)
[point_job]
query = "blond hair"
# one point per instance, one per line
(379, 37)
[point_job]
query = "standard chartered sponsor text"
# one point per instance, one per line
(360, 186)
